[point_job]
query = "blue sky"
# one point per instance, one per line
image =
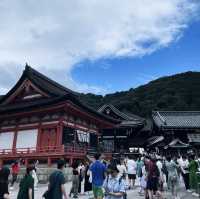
(124, 73)
(100, 48)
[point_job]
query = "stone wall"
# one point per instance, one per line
(43, 173)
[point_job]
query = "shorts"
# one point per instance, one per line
(131, 176)
(152, 184)
(97, 191)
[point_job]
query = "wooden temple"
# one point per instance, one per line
(42, 120)
(129, 134)
(176, 130)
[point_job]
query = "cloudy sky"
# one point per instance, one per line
(98, 46)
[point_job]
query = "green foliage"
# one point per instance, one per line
(179, 92)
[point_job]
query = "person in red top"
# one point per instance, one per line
(153, 175)
(15, 171)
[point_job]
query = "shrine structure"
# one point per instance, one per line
(128, 135)
(42, 120)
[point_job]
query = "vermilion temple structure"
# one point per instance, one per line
(40, 119)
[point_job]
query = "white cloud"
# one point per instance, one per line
(56, 35)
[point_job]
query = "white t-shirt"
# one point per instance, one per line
(131, 167)
(122, 169)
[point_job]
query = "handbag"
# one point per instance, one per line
(47, 194)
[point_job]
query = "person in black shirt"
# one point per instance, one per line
(4, 174)
(75, 181)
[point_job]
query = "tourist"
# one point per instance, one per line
(75, 181)
(26, 187)
(193, 168)
(140, 165)
(81, 169)
(15, 168)
(114, 185)
(56, 188)
(131, 170)
(34, 175)
(153, 178)
(172, 176)
(87, 180)
(4, 174)
(143, 182)
(184, 164)
(122, 168)
(98, 170)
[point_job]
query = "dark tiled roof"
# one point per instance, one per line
(41, 81)
(154, 140)
(127, 119)
(57, 92)
(177, 119)
(194, 138)
(46, 83)
(1, 96)
(176, 143)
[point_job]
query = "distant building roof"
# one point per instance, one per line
(176, 119)
(176, 143)
(127, 119)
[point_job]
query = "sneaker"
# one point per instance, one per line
(195, 194)
(11, 188)
(189, 191)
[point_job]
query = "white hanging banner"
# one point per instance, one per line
(83, 136)
(27, 138)
(6, 140)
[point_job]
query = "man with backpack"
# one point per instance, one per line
(114, 185)
(56, 189)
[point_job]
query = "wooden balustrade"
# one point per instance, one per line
(44, 150)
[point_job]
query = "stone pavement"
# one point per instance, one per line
(132, 194)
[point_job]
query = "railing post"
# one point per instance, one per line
(49, 162)
(1, 163)
(26, 162)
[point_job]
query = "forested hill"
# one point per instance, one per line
(178, 92)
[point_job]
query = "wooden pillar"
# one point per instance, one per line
(49, 162)
(26, 162)
(15, 140)
(1, 163)
(39, 137)
(71, 161)
(59, 133)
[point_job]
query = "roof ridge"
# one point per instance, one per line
(114, 109)
(29, 70)
(176, 111)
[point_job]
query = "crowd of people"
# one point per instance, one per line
(109, 179)
(155, 174)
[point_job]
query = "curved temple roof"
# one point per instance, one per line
(55, 93)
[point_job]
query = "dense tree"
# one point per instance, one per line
(177, 92)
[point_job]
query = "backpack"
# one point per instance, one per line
(120, 180)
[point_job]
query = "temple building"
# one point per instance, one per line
(130, 134)
(176, 130)
(42, 120)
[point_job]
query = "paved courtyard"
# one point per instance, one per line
(132, 194)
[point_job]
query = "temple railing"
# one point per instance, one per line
(70, 149)
(33, 150)
(45, 150)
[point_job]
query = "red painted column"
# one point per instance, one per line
(39, 137)
(49, 162)
(26, 162)
(59, 133)
(15, 140)
(1, 163)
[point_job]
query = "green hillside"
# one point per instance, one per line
(177, 92)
